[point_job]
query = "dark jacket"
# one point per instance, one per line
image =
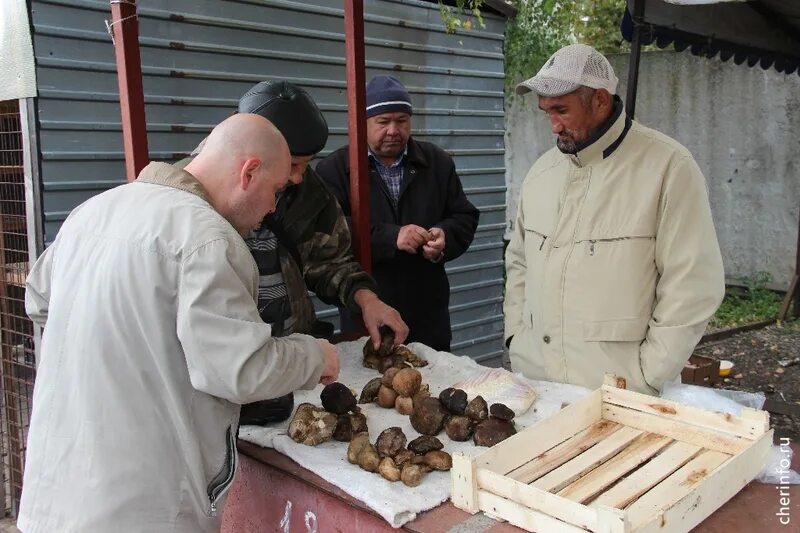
(430, 195)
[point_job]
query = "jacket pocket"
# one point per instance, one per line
(537, 238)
(620, 330)
(595, 246)
(222, 481)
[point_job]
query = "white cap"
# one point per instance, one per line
(568, 69)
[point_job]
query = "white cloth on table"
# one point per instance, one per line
(395, 502)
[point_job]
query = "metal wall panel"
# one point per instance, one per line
(199, 56)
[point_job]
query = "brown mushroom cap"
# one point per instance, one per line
(477, 409)
(407, 381)
(337, 398)
(491, 431)
(424, 444)
(386, 397)
(438, 460)
(454, 400)
(428, 416)
(390, 441)
(459, 428)
(501, 411)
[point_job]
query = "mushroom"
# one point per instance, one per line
(369, 459)
(388, 377)
(404, 405)
(344, 429)
(458, 428)
(454, 400)
(337, 398)
(439, 460)
(359, 422)
(386, 397)
(390, 441)
(428, 416)
(491, 431)
(388, 469)
(407, 381)
(499, 410)
(370, 391)
(477, 409)
(359, 442)
(412, 474)
(312, 425)
(424, 444)
(402, 457)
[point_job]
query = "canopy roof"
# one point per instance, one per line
(764, 32)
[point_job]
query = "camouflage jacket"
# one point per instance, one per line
(314, 223)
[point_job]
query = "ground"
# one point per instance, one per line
(757, 357)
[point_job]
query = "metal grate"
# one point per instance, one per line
(16, 330)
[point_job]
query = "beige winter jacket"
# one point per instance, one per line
(613, 265)
(152, 339)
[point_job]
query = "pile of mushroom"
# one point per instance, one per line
(462, 419)
(339, 418)
(388, 355)
(390, 457)
(398, 388)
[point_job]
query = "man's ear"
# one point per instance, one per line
(247, 172)
(603, 98)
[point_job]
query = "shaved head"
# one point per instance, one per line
(244, 162)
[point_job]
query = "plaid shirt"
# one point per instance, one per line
(392, 174)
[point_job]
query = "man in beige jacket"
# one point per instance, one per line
(613, 264)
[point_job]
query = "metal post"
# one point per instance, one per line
(124, 29)
(793, 294)
(636, 54)
(357, 130)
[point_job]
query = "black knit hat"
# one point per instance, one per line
(385, 94)
(292, 111)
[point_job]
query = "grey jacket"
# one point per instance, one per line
(152, 341)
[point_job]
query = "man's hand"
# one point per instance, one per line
(330, 371)
(433, 249)
(377, 314)
(411, 237)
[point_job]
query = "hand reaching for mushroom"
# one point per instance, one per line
(330, 370)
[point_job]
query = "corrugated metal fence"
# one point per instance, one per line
(199, 56)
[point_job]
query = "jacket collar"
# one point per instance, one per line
(610, 137)
(172, 176)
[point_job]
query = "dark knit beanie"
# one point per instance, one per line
(292, 111)
(385, 94)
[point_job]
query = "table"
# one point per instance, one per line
(273, 493)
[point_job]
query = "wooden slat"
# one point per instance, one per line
(716, 421)
(538, 500)
(557, 456)
(520, 516)
(714, 491)
(464, 483)
(705, 438)
(639, 451)
(568, 472)
(538, 438)
(649, 475)
(675, 487)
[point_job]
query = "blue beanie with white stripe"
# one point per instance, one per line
(385, 94)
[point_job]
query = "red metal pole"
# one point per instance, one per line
(125, 34)
(357, 130)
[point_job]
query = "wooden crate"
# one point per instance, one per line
(615, 461)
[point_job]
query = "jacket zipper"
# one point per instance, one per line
(223, 479)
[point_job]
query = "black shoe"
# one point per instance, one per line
(267, 412)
